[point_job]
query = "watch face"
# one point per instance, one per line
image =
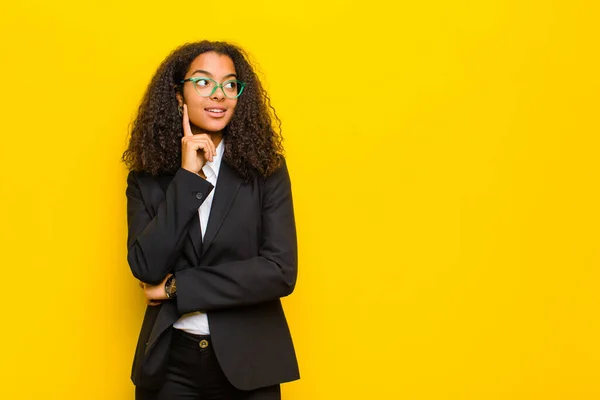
(170, 286)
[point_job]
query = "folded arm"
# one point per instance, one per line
(153, 244)
(270, 275)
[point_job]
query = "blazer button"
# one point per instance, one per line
(203, 344)
(199, 195)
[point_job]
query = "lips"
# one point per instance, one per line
(216, 112)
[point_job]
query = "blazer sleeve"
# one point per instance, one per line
(153, 243)
(270, 275)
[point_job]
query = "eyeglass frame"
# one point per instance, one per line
(195, 79)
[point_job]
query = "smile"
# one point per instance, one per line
(215, 110)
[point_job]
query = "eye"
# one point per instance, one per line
(232, 85)
(202, 82)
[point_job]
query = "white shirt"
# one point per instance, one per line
(197, 322)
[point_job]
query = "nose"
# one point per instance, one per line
(218, 95)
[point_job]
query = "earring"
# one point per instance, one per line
(180, 110)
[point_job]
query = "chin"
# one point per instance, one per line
(212, 126)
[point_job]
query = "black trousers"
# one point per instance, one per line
(193, 373)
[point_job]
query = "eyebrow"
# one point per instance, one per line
(201, 71)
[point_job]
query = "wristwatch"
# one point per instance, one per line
(171, 287)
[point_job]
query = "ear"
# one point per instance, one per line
(179, 99)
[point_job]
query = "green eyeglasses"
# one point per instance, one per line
(205, 87)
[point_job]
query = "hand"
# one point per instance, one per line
(195, 149)
(155, 294)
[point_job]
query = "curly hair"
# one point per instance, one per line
(254, 145)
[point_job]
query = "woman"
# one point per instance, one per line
(211, 235)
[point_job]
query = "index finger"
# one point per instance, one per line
(187, 129)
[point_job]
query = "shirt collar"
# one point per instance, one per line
(212, 167)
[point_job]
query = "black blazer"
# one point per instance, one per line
(248, 261)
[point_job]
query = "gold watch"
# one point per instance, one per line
(171, 287)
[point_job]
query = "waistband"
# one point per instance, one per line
(186, 337)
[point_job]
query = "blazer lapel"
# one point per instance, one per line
(228, 184)
(196, 236)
